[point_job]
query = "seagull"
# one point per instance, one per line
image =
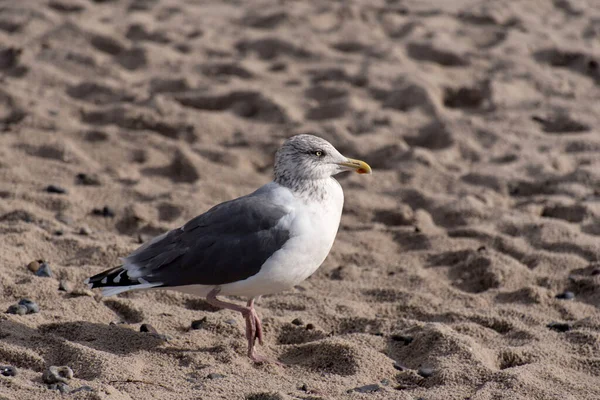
(262, 243)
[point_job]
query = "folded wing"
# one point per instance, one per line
(228, 243)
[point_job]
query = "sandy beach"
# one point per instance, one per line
(467, 266)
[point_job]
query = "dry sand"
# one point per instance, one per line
(479, 119)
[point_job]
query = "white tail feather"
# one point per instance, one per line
(113, 290)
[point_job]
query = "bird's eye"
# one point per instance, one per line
(319, 153)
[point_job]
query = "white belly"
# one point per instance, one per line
(313, 229)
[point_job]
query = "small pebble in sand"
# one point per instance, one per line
(32, 306)
(559, 326)
(366, 389)
(25, 306)
(85, 231)
(310, 327)
(60, 386)
(87, 180)
(230, 321)
(34, 265)
(148, 328)
(199, 323)
(56, 374)
(105, 212)
(402, 338)
(214, 375)
(8, 370)
(425, 372)
(596, 271)
(59, 232)
(297, 322)
(17, 309)
(56, 189)
(64, 286)
(567, 295)
(44, 270)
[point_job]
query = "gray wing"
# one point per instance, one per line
(228, 243)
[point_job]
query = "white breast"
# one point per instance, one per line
(313, 227)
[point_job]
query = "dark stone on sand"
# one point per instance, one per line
(56, 189)
(402, 338)
(297, 322)
(148, 328)
(559, 326)
(425, 372)
(44, 271)
(567, 295)
(56, 374)
(366, 389)
(278, 67)
(8, 370)
(17, 309)
(199, 323)
(399, 366)
(60, 386)
(58, 232)
(32, 306)
(214, 375)
(310, 327)
(105, 212)
(87, 180)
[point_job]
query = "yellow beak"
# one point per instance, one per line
(360, 167)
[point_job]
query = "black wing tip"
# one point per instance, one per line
(116, 276)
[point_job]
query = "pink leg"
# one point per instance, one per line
(253, 326)
(258, 334)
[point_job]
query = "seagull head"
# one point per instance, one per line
(308, 157)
